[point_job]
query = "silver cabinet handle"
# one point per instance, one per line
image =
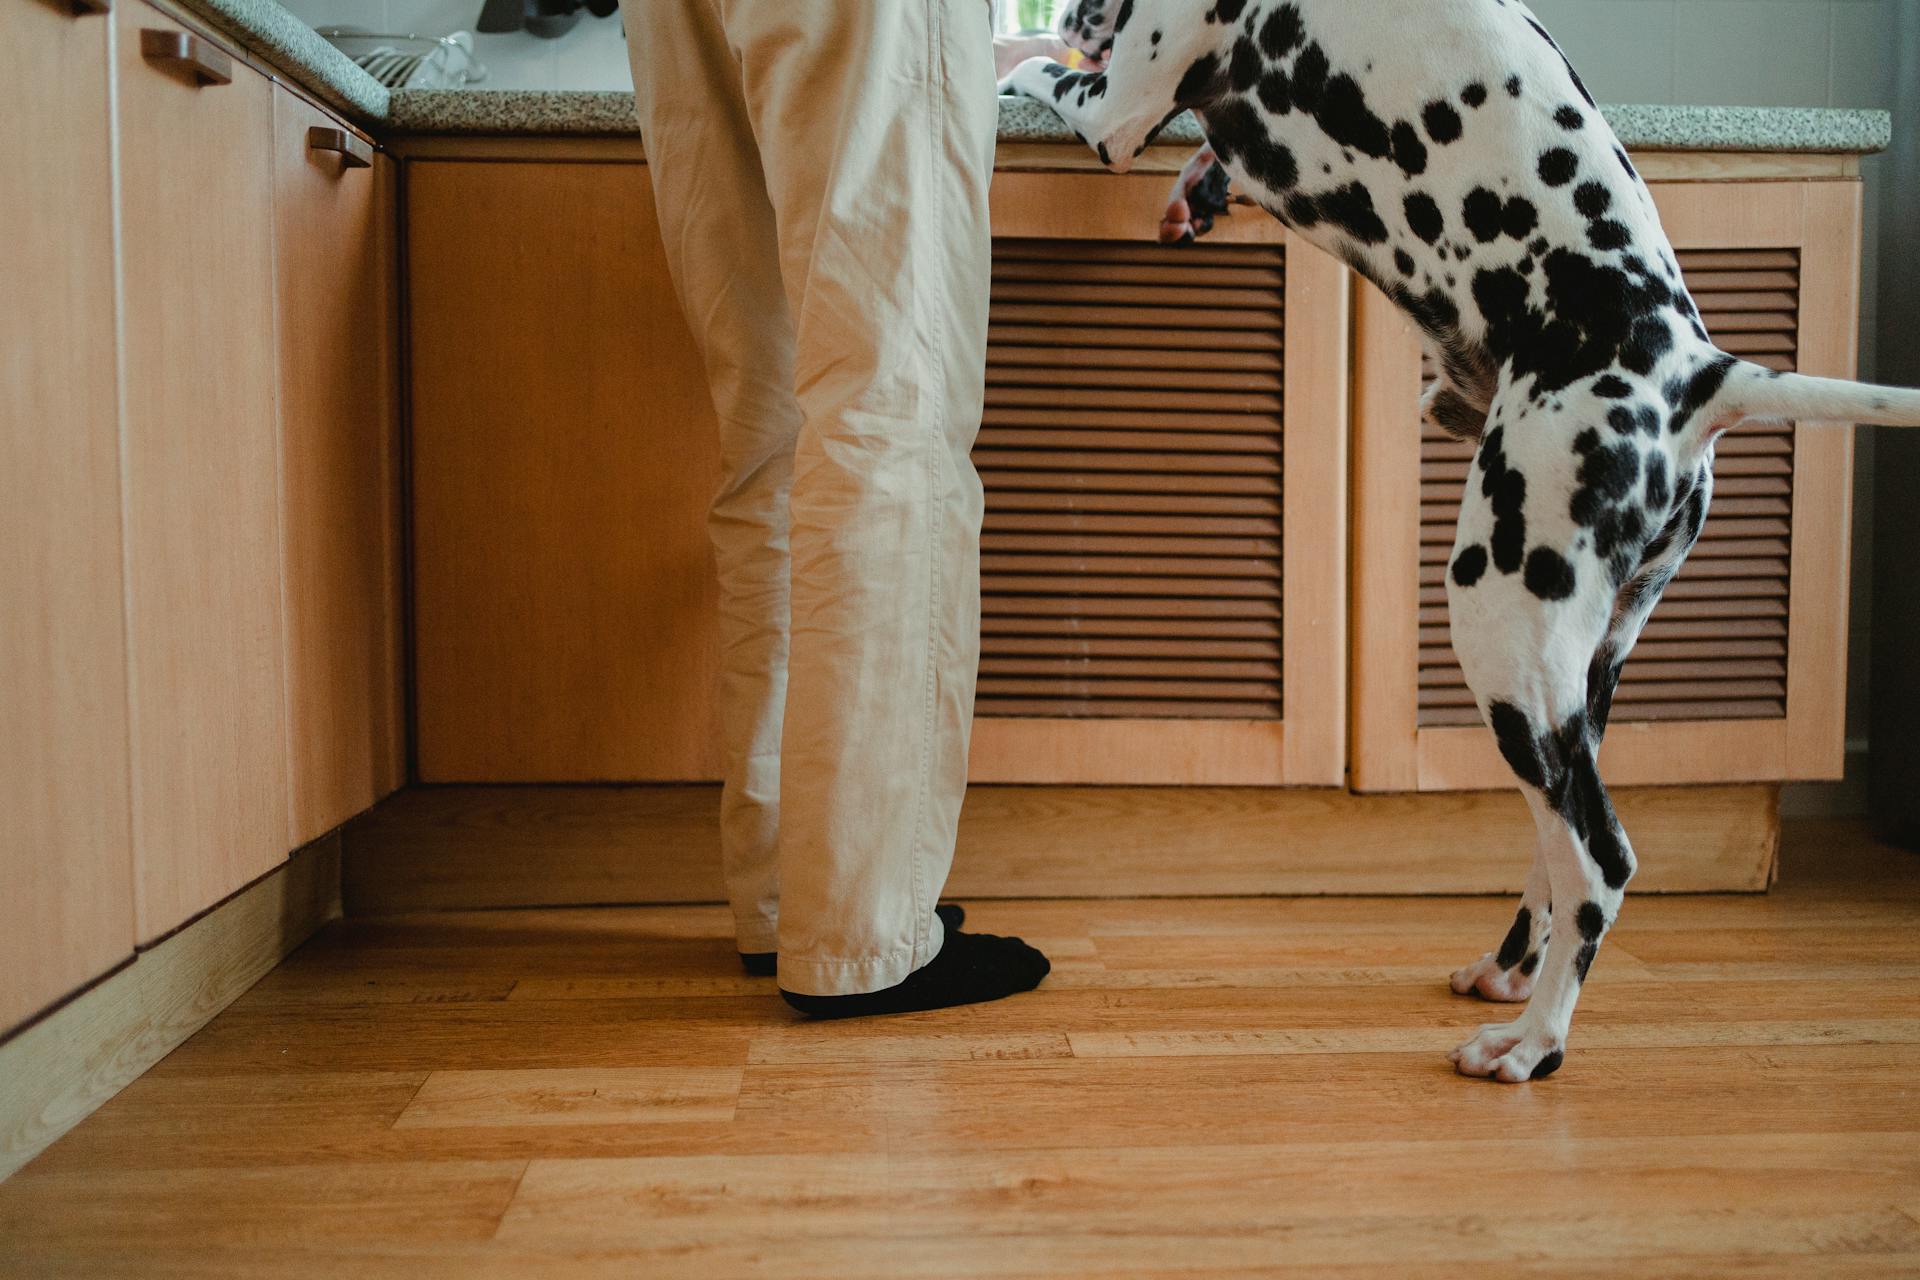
(186, 54)
(354, 154)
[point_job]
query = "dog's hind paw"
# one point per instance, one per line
(1509, 1052)
(1486, 979)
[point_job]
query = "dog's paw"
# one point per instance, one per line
(1509, 1052)
(1177, 224)
(1486, 979)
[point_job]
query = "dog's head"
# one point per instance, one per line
(1087, 25)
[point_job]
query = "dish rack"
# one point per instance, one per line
(410, 61)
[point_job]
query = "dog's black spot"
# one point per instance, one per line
(1276, 92)
(1589, 812)
(1548, 1065)
(1123, 17)
(1658, 491)
(1351, 209)
(1583, 960)
(1474, 94)
(1693, 395)
(1611, 387)
(1310, 72)
(1549, 576)
(1608, 473)
(1403, 262)
(1591, 920)
(1282, 32)
(1244, 66)
(1518, 743)
(1592, 199)
(1442, 121)
(1531, 963)
(1239, 135)
(1513, 948)
(1603, 677)
(1569, 118)
(1506, 491)
(1344, 114)
(1408, 151)
(1608, 234)
(1469, 565)
(1481, 212)
(1647, 341)
(1229, 10)
(1201, 83)
(1519, 218)
(1557, 166)
(1513, 86)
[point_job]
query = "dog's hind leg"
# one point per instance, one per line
(1532, 606)
(1508, 973)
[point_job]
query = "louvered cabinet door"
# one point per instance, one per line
(1740, 674)
(1163, 452)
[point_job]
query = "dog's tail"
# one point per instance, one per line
(1749, 392)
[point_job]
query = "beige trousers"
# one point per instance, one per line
(821, 171)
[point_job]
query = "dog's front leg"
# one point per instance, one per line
(1118, 111)
(1200, 194)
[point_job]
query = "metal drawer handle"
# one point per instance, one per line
(188, 54)
(354, 154)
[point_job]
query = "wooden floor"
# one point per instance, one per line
(1202, 1088)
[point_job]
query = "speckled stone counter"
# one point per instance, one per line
(1644, 128)
(298, 52)
(268, 30)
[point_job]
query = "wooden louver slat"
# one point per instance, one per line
(1716, 647)
(1131, 453)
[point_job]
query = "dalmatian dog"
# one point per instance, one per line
(1448, 152)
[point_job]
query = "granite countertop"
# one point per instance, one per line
(267, 29)
(1641, 128)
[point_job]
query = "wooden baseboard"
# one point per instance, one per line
(454, 847)
(61, 1068)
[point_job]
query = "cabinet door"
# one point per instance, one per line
(1741, 673)
(1163, 562)
(66, 914)
(203, 538)
(333, 227)
(564, 453)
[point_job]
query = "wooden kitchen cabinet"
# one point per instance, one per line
(333, 224)
(66, 911)
(202, 479)
(1741, 674)
(563, 456)
(1163, 562)
(1163, 455)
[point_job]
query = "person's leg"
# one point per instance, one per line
(876, 128)
(717, 226)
